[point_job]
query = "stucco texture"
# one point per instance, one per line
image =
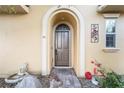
(20, 41)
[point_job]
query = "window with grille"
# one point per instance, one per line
(111, 33)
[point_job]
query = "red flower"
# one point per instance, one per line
(88, 75)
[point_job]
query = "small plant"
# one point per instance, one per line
(106, 79)
(98, 69)
(112, 80)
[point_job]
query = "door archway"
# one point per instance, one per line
(80, 39)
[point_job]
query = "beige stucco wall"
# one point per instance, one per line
(94, 50)
(20, 41)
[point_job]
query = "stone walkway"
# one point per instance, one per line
(67, 76)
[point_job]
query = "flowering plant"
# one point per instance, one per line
(98, 69)
(106, 78)
(88, 75)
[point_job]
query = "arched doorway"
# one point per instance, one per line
(72, 16)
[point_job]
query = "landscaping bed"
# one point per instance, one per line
(43, 79)
(46, 83)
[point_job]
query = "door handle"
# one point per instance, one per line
(56, 51)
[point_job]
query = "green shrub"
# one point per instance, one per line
(106, 77)
(111, 80)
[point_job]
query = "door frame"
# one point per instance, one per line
(70, 45)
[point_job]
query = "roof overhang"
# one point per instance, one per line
(110, 8)
(14, 9)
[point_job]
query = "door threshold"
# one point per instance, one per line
(61, 67)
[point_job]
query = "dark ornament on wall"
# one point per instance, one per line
(94, 33)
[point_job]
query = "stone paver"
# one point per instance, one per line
(67, 76)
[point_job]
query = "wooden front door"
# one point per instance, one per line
(62, 45)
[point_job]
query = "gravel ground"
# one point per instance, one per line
(4, 85)
(46, 84)
(43, 79)
(87, 84)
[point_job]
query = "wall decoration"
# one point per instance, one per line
(94, 33)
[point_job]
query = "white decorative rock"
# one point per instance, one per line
(94, 81)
